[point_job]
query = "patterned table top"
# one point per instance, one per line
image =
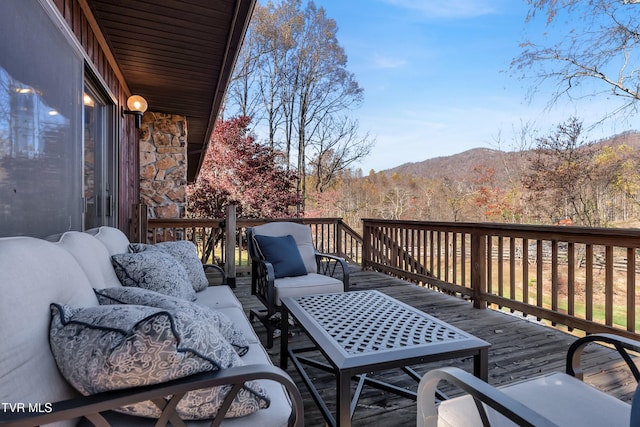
(368, 323)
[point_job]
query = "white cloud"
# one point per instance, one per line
(384, 61)
(448, 8)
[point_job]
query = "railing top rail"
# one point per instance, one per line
(351, 232)
(181, 222)
(300, 220)
(596, 235)
(200, 221)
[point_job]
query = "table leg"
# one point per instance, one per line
(284, 337)
(481, 364)
(343, 399)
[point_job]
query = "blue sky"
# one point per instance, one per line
(437, 79)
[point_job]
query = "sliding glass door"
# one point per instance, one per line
(99, 174)
(40, 124)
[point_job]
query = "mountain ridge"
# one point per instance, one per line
(461, 165)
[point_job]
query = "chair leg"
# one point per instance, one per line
(264, 318)
(270, 330)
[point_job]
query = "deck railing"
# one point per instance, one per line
(330, 235)
(584, 278)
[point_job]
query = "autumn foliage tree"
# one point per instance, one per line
(238, 170)
(560, 176)
(497, 200)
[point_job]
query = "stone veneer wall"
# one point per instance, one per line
(163, 164)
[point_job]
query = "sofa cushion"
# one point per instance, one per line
(121, 346)
(113, 239)
(33, 273)
(239, 319)
(282, 252)
(206, 316)
(154, 270)
(218, 297)
(92, 256)
(186, 254)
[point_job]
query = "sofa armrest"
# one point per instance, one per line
(219, 271)
(92, 406)
(621, 344)
(331, 265)
(481, 393)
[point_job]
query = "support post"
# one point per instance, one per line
(230, 247)
(366, 245)
(338, 238)
(138, 223)
(478, 268)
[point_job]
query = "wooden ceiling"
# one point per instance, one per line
(179, 55)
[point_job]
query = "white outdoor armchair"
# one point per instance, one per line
(285, 263)
(558, 399)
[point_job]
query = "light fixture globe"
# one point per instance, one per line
(137, 103)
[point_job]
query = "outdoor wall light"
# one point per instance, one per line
(136, 105)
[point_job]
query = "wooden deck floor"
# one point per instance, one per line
(520, 349)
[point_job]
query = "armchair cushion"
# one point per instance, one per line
(282, 252)
(121, 346)
(185, 253)
(207, 316)
(154, 270)
(311, 284)
(561, 398)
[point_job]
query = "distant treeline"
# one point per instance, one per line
(561, 179)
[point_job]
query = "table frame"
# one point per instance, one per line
(347, 364)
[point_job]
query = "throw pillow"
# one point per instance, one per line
(121, 346)
(282, 252)
(154, 270)
(206, 316)
(186, 254)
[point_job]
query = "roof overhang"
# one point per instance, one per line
(179, 55)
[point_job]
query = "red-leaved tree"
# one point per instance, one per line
(236, 169)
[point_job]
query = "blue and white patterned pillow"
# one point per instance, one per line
(121, 346)
(154, 270)
(207, 316)
(185, 253)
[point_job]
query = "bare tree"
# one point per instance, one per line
(521, 143)
(395, 203)
(304, 88)
(562, 177)
(604, 50)
(456, 197)
(244, 82)
(336, 146)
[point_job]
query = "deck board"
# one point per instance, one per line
(520, 349)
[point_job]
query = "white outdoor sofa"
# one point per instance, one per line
(34, 273)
